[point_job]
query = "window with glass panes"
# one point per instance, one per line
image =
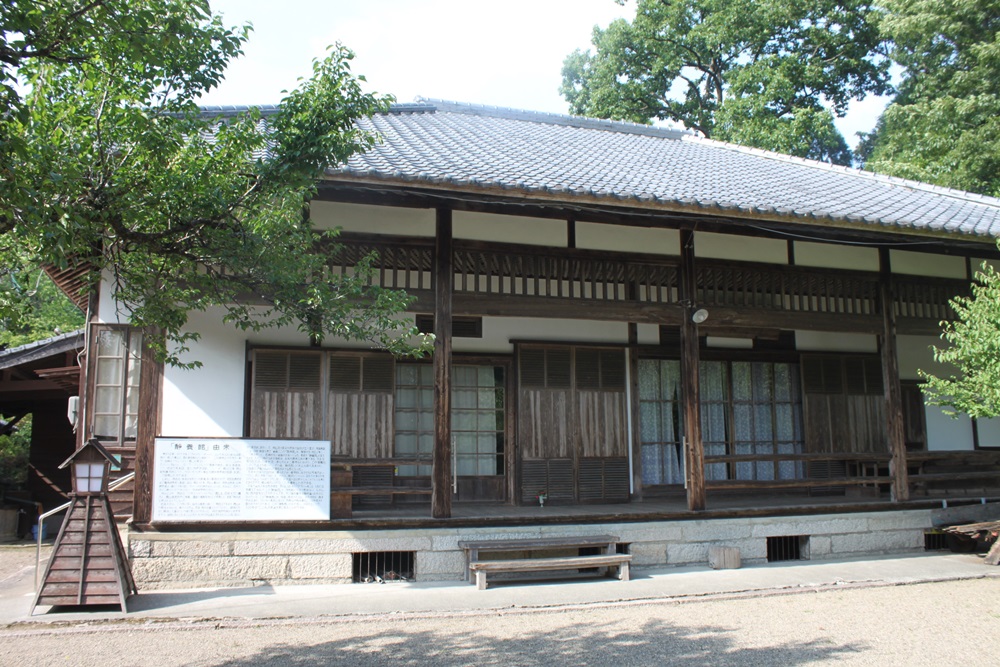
(767, 418)
(747, 408)
(660, 425)
(477, 418)
(118, 354)
(414, 416)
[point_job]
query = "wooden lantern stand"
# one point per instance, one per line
(89, 565)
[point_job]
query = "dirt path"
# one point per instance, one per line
(925, 624)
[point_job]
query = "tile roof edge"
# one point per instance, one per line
(41, 343)
(963, 195)
(236, 109)
(582, 122)
(571, 197)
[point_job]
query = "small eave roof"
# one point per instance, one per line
(40, 349)
(448, 145)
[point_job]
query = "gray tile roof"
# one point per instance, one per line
(438, 144)
(40, 349)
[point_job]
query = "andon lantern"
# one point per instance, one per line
(89, 565)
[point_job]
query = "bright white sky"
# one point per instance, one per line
(507, 53)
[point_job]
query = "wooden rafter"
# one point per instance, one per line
(73, 282)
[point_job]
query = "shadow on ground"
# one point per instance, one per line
(653, 643)
(160, 600)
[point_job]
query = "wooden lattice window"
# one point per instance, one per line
(600, 369)
(367, 374)
(117, 364)
(303, 394)
(545, 368)
(478, 411)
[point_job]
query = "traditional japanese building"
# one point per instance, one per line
(639, 332)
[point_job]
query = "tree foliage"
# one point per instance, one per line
(763, 73)
(15, 451)
(108, 162)
(972, 350)
(40, 310)
(944, 125)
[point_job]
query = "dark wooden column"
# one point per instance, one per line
(83, 419)
(443, 279)
(895, 432)
(147, 428)
(633, 371)
(694, 452)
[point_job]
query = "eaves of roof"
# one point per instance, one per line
(41, 349)
(467, 150)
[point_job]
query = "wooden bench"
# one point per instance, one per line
(618, 561)
(607, 558)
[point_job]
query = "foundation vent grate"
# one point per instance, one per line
(383, 567)
(785, 547)
(935, 540)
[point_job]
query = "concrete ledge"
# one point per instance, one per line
(239, 558)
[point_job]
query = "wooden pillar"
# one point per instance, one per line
(147, 428)
(443, 278)
(83, 419)
(633, 389)
(694, 451)
(895, 432)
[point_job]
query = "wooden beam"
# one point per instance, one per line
(20, 386)
(694, 451)
(148, 427)
(588, 209)
(443, 277)
(895, 431)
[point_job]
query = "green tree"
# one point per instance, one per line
(944, 125)
(107, 162)
(765, 73)
(971, 351)
(15, 450)
(41, 310)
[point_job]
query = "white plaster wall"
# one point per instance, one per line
(498, 332)
(372, 219)
(649, 334)
(945, 433)
(207, 402)
(627, 239)
(744, 248)
(989, 432)
(831, 256)
(822, 341)
(509, 229)
(110, 311)
(923, 264)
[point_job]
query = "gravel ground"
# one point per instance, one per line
(17, 556)
(925, 624)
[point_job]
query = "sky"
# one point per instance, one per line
(507, 53)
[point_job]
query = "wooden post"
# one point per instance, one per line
(895, 432)
(147, 428)
(83, 419)
(443, 278)
(633, 369)
(694, 451)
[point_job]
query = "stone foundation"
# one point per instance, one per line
(189, 560)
